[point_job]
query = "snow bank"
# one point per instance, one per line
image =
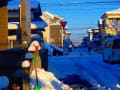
(4, 82)
(47, 81)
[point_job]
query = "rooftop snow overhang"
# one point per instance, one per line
(34, 25)
(68, 32)
(14, 37)
(51, 16)
(117, 11)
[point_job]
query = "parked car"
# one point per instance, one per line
(111, 52)
(54, 50)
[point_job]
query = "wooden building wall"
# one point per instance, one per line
(3, 28)
(56, 35)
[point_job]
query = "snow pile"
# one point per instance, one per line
(4, 82)
(47, 81)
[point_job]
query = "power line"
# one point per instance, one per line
(77, 5)
(72, 3)
(82, 9)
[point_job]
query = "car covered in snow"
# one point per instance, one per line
(111, 52)
(53, 50)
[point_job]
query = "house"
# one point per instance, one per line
(94, 36)
(54, 32)
(109, 25)
(111, 22)
(37, 24)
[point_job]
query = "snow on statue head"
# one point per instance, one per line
(34, 46)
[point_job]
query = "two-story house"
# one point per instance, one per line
(54, 31)
(111, 22)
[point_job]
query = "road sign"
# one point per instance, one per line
(63, 23)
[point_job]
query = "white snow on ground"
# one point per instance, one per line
(4, 82)
(47, 81)
(91, 68)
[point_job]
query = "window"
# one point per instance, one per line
(116, 43)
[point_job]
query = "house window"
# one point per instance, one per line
(115, 23)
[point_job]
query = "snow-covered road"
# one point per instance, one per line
(87, 70)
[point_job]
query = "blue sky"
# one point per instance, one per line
(79, 17)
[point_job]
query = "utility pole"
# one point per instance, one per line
(25, 22)
(25, 25)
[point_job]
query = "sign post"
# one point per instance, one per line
(63, 23)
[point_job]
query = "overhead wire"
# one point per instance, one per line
(74, 3)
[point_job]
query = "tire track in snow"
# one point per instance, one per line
(115, 78)
(99, 73)
(86, 74)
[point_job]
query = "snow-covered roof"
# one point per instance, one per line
(116, 11)
(34, 36)
(50, 15)
(14, 4)
(55, 24)
(34, 25)
(66, 27)
(90, 30)
(68, 32)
